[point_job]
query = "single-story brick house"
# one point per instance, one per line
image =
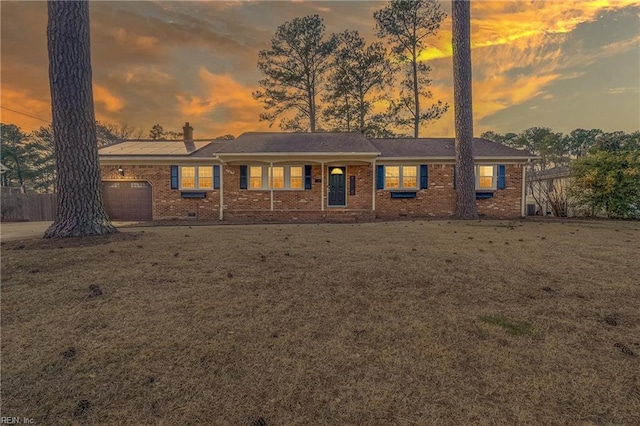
(303, 177)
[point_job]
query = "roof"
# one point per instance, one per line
(442, 148)
(552, 173)
(296, 143)
(212, 149)
(349, 144)
(152, 147)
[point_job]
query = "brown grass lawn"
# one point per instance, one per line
(431, 322)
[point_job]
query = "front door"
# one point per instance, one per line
(337, 194)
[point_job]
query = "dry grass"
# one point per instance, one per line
(398, 323)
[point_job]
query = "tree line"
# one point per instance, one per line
(313, 81)
(604, 167)
(30, 157)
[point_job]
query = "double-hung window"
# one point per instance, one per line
(276, 177)
(255, 178)
(196, 177)
(400, 177)
(485, 177)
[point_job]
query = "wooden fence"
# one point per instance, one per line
(29, 206)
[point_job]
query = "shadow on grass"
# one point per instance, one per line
(515, 328)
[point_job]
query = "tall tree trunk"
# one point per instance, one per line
(465, 177)
(80, 209)
(312, 111)
(416, 96)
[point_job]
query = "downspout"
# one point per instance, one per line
(322, 185)
(271, 184)
(221, 208)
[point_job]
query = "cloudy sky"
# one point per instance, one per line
(560, 64)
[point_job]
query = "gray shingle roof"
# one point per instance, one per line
(308, 143)
(320, 142)
(442, 148)
(553, 173)
(212, 149)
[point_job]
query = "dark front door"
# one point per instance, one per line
(337, 194)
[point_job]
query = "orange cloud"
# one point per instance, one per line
(24, 103)
(150, 73)
(495, 23)
(226, 107)
(509, 36)
(137, 42)
(111, 102)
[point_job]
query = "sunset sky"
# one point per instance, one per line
(559, 64)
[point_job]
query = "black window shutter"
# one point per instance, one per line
(174, 177)
(243, 177)
(424, 176)
(502, 178)
(216, 177)
(352, 185)
(307, 177)
(380, 177)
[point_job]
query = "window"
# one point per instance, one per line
(196, 177)
(205, 177)
(409, 177)
(276, 178)
(280, 177)
(485, 177)
(188, 177)
(255, 177)
(400, 177)
(392, 177)
(297, 180)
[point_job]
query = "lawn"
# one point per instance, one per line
(434, 322)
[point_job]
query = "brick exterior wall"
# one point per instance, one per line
(297, 205)
(437, 201)
(505, 202)
(440, 199)
(167, 202)
(305, 205)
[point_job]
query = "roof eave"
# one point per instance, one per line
(296, 154)
(452, 159)
(113, 159)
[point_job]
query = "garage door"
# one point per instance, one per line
(127, 200)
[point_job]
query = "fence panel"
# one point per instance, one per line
(29, 206)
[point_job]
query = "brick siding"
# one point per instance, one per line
(167, 202)
(305, 205)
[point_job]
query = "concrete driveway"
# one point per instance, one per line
(10, 231)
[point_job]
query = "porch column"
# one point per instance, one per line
(221, 208)
(524, 190)
(322, 185)
(373, 190)
(270, 179)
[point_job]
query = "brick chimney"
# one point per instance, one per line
(187, 132)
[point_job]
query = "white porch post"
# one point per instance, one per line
(524, 190)
(322, 186)
(373, 190)
(221, 208)
(270, 178)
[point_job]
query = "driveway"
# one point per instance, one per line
(10, 231)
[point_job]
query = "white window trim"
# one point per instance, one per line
(265, 178)
(400, 177)
(197, 179)
(494, 184)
